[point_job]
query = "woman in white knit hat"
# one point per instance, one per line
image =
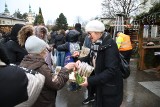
(104, 56)
(37, 49)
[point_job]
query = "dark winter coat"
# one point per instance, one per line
(71, 37)
(53, 35)
(13, 86)
(108, 79)
(59, 40)
(47, 96)
(63, 47)
(82, 38)
(13, 82)
(14, 51)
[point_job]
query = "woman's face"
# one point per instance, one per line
(42, 35)
(94, 36)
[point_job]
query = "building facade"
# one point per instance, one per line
(7, 19)
(10, 20)
(31, 16)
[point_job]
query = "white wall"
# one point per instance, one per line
(7, 21)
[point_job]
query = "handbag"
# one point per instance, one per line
(68, 56)
(35, 85)
(124, 67)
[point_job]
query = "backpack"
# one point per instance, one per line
(68, 58)
(68, 55)
(124, 66)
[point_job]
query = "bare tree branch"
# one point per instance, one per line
(112, 7)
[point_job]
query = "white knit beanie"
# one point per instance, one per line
(95, 26)
(35, 45)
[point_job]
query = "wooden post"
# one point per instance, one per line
(141, 51)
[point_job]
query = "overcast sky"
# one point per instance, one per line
(85, 9)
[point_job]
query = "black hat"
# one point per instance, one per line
(14, 33)
(117, 32)
(77, 25)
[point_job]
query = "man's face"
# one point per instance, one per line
(93, 36)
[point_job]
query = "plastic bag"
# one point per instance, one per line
(79, 79)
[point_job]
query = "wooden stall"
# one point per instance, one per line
(149, 49)
(149, 38)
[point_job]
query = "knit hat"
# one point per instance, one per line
(95, 26)
(117, 33)
(35, 45)
(72, 36)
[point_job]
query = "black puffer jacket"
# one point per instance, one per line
(59, 40)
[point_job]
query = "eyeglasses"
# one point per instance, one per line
(48, 50)
(89, 33)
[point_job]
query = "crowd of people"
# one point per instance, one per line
(30, 50)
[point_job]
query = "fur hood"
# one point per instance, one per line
(38, 30)
(24, 33)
